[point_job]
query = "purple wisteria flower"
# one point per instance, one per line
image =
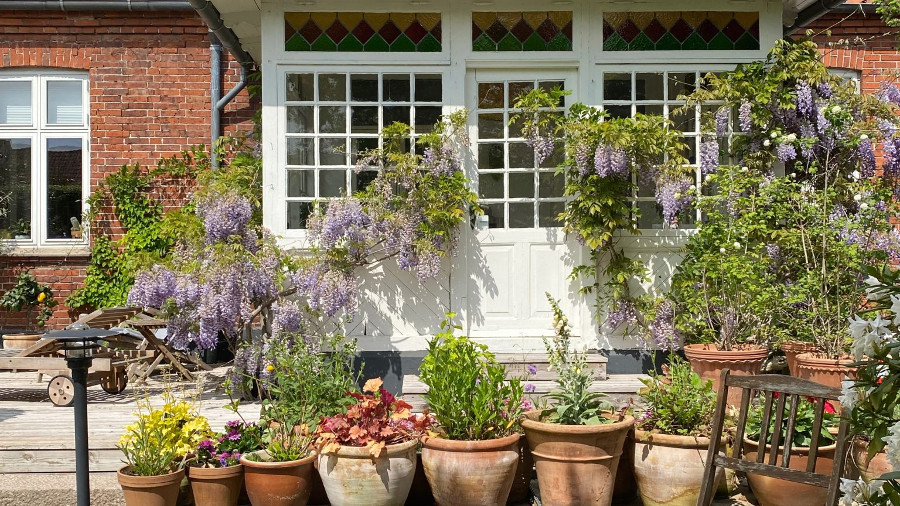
(443, 162)
(543, 146)
(623, 312)
(674, 196)
(582, 159)
(224, 216)
(806, 105)
(744, 119)
(610, 161)
(152, 287)
(866, 159)
(889, 93)
(286, 317)
(662, 329)
(709, 156)
(824, 90)
(721, 122)
(786, 152)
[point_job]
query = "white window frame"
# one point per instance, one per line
(667, 103)
(39, 131)
(275, 213)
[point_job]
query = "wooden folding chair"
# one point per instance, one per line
(781, 389)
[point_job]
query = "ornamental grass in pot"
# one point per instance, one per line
(576, 444)
(155, 447)
(473, 457)
(671, 435)
(215, 474)
(367, 456)
(773, 491)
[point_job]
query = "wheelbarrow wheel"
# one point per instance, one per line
(61, 390)
(115, 382)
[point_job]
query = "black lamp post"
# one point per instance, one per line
(79, 342)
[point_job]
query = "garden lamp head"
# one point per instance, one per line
(79, 340)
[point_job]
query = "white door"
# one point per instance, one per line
(518, 251)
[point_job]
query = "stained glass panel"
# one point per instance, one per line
(522, 31)
(680, 31)
(370, 32)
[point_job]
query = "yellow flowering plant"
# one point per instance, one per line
(159, 440)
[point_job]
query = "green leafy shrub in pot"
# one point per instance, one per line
(803, 423)
(677, 402)
(468, 391)
(27, 294)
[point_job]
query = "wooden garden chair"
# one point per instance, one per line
(782, 390)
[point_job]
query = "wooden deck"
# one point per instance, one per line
(38, 437)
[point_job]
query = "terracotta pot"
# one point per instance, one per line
(470, 473)
(869, 469)
(775, 492)
(420, 492)
(216, 486)
(279, 483)
(625, 488)
(793, 348)
(576, 464)
(707, 361)
(826, 371)
(521, 487)
(669, 468)
(150, 490)
(20, 341)
(352, 477)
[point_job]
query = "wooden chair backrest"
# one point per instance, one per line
(779, 390)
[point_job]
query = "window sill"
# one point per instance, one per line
(76, 250)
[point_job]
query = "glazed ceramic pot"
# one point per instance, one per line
(470, 473)
(150, 490)
(576, 464)
(352, 477)
(708, 361)
(278, 483)
(793, 348)
(826, 371)
(869, 468)
(216, 486)
(669, 468)
(774, 492)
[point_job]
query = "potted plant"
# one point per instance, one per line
(473, 458)
(772, 491)
(21, 229)
(871, 399)
(576, 442)
(368, 454)
(28, 295)
(671, 435)
(216, 475)
(282, 473)
(155, 447)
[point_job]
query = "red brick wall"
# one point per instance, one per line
(859, 42)
(149, 80)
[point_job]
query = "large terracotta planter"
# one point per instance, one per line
(826, 371)
(669, 468)
(279, 483)
(708, 361)
(869, 469)
(576, 464)
(150, 490)
(774, 492)
(793, 348)
(470, 473)
(216, 486)
(352, 477)
(20, 341)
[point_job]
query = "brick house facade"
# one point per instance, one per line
(149, 97)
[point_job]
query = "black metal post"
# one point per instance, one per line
(79, 367)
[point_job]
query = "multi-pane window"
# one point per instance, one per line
(624, 93)
(43, 156)
(514, 190)
(332, 117)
